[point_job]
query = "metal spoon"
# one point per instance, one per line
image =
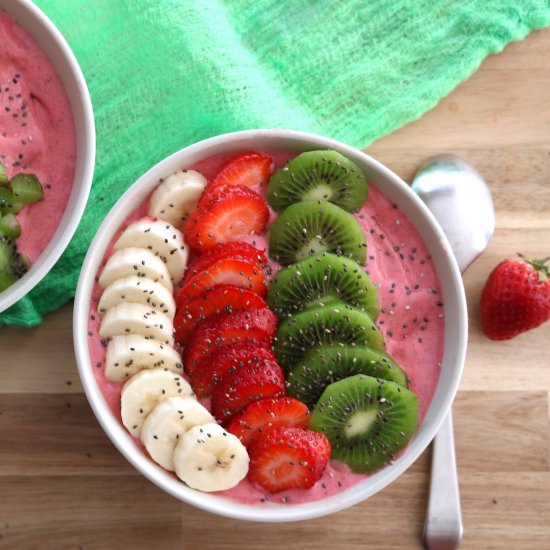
(461, 202)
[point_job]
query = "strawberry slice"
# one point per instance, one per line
(237, 249)
(244, 384)
(240, 272)
(214, 302)
(264, 415)
(209, 372)
(224, 215)
(288, 458)
(254, 325)
(249, 169)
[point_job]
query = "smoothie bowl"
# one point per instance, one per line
(47, 147)
(269, 325)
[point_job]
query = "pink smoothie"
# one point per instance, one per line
(37, 133)
(411, 320)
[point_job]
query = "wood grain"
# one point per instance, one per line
(100, 512)
(64, 485)
(54, 435)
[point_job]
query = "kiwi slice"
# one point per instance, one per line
(8, 202)
(318, 175)
(7, 278)
(9, 226)
(19, 265)
(12, 264)
(367, 420)
(26, 188)
(3, 176)
(311, 227)
(6, 253)
(319, 280)
(336, 323)
(327, 364)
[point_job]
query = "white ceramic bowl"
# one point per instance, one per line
(455, 321)
(62, 58)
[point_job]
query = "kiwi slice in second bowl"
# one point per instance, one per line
(336, 324)
(310, 227)
(367, 420)
(318, 175)
(326, 364)
(319, 280)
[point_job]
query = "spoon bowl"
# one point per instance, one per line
(461, 202)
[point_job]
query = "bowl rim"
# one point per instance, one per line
(86, 150)
(123, 441)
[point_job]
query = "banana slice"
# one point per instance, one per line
(130, 318)
(127, 355)
(135, 262)
(141, 394)
(176, 197)
(161, 238)
(208, 458)
(139, 290)
(169, 420)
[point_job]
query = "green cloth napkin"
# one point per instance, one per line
(166, 73)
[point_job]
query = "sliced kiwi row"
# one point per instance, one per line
(22, 189)
(327, 341)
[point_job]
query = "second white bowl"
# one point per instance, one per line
(62, 58)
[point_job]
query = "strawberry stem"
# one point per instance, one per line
(539, 265)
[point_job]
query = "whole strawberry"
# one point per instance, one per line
(516, 298)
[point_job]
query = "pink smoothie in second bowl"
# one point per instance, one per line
(411, 319)
(37, 134)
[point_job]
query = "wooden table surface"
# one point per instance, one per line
(63, 484)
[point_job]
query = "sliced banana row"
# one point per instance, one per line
(137, 304)
(138, 308)
(180, 434)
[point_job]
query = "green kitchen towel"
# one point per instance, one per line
(166, 73)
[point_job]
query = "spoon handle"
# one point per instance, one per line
(443, 526)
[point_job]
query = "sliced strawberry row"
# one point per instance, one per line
(227, 330)
(224, 214)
